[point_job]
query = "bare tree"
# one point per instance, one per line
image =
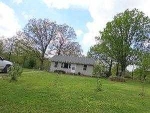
(72, 49)
(40, 33)
(64, 43)
(9, 46)
(1, 47)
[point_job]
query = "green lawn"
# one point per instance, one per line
(41, 92)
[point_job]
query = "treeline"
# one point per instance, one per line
(37, 41)
(124, 41)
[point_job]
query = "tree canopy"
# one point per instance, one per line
(45, 36)
(124, 34)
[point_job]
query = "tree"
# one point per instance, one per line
(64, 43)
(123, 34)
(40, 34)
(72, 49)
(143, 68)
(144, 65)
(1, 47)
(10, 46)
(98, 53)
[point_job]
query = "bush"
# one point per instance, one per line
(79, 73)
(128, 76)
(117, 79)
(99, 85)
(30, 63)
(15, 72)
(60, 71)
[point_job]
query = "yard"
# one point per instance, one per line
(41, 92)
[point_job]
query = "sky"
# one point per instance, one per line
(87, 17)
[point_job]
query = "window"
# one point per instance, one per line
(84, 67)
(65, 65)
(73, 68)
(56, 64)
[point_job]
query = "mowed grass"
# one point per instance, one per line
(43, 92)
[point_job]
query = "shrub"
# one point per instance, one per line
(15, 72)
(60, 71)
(128, 76)
(117, 79)
(99, 85)
(79, 73)
(98, 69)
(30, 63)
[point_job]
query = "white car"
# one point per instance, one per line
(4, 65)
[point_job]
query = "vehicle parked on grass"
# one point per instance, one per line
(4, 65)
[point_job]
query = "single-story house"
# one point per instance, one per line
(71, 64)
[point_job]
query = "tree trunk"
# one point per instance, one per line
(24, 59)
(41, 65)
(9, 57)
(42, 62)
(117, 70)
(110, 66)
(123, 67)
(132, 74)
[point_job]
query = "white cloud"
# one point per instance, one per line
(27, 16)
(8, 21)
(101, 12)
(79, 32)
(17, 1)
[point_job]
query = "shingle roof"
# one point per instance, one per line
(72, 59)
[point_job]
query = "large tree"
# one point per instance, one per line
(64, 43)
(40, 33)
(123, 34)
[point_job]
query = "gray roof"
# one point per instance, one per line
(72, 59)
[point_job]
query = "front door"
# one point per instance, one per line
(73, 68)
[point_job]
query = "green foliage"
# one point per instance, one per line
(143, 69)
(144, 66)
(99, 85)
(104, 60)
(1, 47)
(113, 71)
(98, 69)
(124, 33)
(47, 64)
(30, 63)
(15, 72)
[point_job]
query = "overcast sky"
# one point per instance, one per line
(87, 17)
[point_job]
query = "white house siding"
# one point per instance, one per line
(79, 68)
(88, 71)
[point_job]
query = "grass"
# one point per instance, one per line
(43, 92)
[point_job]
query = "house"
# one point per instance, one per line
(71, 64)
